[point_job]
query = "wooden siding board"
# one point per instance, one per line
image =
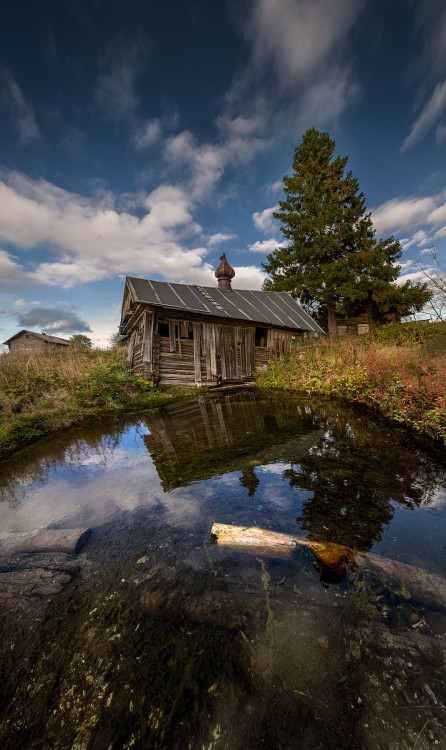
(197, 352)
(148, 339)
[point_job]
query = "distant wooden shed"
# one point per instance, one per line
(26, 341)
(181, 334)
(354, 326)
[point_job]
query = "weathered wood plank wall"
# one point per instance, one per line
(215, 352)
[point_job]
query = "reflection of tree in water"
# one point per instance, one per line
(250, 480)
(355, 474)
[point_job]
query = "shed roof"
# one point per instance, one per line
(43, 336)
(270, 308)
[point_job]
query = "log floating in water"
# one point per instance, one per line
(276, 544)
(426, 588)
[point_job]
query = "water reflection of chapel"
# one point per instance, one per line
(206, 437)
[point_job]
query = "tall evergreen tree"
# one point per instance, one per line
(331, 260)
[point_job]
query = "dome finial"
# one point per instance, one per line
(224, 274)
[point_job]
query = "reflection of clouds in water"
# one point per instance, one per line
(275, 491)
(89, 498)
(184, 506)
(84, 498)
(278, 495)
(435, 499)
(278, 468)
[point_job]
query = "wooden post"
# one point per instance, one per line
(213, 352)
(131, 348)
(197, 353)
(148, 343)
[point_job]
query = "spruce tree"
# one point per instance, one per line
(331, 260)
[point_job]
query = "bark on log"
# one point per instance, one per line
(43, 540)
(419, 585)
(276, 544)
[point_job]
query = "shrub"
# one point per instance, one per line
(399, 370)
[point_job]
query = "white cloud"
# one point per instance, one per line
(430, 67)
(275, 187)
(264, 220)
(414, 277)
(264, 246)
(421, 237)
(21, 113)
(12, 275)
(425, 216)
(297, 46)
(324, 100)
(296, 38)
(146, 135)
(440, 233)
(430, 18)
(219, 238)
(247, 277)
(204, 164)
(400, 214)
(91, 240)
(429, 116)
(438, 215)
(406, 265)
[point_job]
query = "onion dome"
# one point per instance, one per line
(224, 274)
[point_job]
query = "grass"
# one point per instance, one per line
(398, 370)
(43, 392)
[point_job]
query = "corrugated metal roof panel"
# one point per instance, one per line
(190, 297)
(270, 308)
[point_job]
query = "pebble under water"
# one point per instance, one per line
(143, 634)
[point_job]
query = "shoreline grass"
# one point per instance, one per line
(398, 371)
(45, 392)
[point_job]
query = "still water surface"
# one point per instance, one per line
(155, 638)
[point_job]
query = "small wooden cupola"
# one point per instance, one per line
(224, 273)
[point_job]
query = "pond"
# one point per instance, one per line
(125, 624)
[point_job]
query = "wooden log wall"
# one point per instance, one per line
(198, 353)
(278, 343)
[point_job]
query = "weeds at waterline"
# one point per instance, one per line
(398, 370)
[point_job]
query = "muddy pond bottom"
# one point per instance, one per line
(124, 624)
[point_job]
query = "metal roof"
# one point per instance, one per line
(271, 308)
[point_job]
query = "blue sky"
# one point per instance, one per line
(145, 138)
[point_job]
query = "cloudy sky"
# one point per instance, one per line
(146, 138)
